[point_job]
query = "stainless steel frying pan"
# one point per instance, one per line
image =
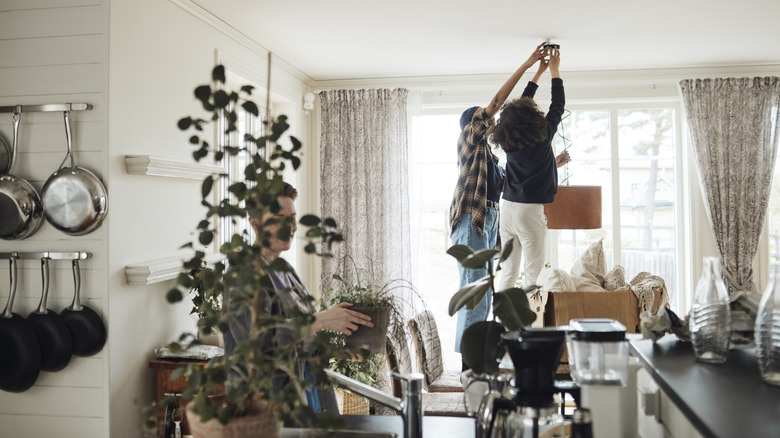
(74, 199)
(21, 211)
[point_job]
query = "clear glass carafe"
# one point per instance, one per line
(767, 330)
(531, 422)
(710, 320)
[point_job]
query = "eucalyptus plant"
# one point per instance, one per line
(255, 361)
(481, 346)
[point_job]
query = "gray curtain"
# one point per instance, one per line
(364, 174)
(733, 126)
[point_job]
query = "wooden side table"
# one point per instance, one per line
(164, 386)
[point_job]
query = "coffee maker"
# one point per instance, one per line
(532, 412)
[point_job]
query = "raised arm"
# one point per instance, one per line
(544, 62)
(555, 63)
(506, 89)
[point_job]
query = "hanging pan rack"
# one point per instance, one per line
(50, 107)
(52, 255)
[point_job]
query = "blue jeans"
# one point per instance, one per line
(465, 233)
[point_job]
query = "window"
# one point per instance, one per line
(631, 152)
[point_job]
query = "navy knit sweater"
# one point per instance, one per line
(531, 173)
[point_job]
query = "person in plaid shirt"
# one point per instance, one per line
(474, 208)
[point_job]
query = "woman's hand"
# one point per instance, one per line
(562, 159)
(339, 318)
(555, 63)
(543, 63)
(536, 55)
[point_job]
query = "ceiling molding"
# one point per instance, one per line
(225, 28)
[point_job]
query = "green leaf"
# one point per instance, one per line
(309, 220)
(297, 145)
(251, 108)
(222, 100)
(470, 295)
(481, 346)
(460, 252)
(174, 296)
(218, 74)
(479, 259)
(512, 308)
(247, 89)
(205, 237)
(506, 250)
(203, 93)
(205, 188)
(184, 123)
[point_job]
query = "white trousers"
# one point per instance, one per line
(526, 224)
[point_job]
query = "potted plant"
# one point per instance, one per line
(385, 304)
(206, 304)
(481, 346)
(250, 396)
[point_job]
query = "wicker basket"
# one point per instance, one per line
(351, 403)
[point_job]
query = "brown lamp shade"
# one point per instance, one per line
(575, 208)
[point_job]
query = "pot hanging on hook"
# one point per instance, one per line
(74, 199)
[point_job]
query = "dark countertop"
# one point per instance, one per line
(720, 401)
(433, 427)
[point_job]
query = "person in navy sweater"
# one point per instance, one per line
(525, 133)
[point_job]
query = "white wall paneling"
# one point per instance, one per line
(56, 52)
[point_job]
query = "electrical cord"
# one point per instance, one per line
(566, 144)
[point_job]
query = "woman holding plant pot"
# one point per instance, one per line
(287, 297)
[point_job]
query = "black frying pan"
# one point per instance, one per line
(53, 334)
(86, 326)
(20, 361)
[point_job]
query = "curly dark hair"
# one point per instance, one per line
(521, 125)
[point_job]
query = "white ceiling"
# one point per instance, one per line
(361, 39)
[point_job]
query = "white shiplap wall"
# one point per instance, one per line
(57, 52)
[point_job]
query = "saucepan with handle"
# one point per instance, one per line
(20, 361)
(21, 211)
(86, 326)
(53, 334)
(75, 201)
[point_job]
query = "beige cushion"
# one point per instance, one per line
(615, 278)
(556, 280)
(425, 337)
(589, 270)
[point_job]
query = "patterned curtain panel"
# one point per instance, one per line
(364, 174)
(734, 130)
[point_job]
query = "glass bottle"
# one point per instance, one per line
(710, 315)
(767, 330)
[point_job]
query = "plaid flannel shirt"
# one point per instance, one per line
(471, 191)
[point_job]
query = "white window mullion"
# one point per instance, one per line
(615, 166)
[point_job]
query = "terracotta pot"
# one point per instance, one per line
(263, 424)
(371, 338)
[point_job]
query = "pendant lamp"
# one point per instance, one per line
(575, 208)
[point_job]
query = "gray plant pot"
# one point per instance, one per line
(373, 338)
